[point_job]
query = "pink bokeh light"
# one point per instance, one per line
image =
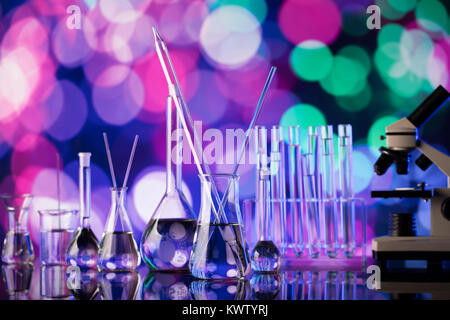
(302, 20)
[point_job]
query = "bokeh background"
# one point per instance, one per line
(61, 88)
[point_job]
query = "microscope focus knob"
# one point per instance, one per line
(445, 208)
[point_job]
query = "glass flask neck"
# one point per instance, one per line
(118, 220)
(85, 195)
(173, 166)
(17, 207)
(226, 208)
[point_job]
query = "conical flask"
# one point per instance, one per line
(167, 240)
(118, 248)
(83, 248)
(17, 246)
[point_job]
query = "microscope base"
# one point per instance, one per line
(432, 249)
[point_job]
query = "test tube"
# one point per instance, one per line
(312, 192)
(346, 188)
(278, 187)
(295, 190)
(329, 191)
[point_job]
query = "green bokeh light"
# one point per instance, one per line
(303, 115)
(403, 5)
(257, 7)
(388, 11)
(432, 15)
(357, 102)
(311, 60)
(378, 129)
(359, 54)
(344, 78)
(390, 33)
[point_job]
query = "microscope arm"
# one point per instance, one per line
(440, 159)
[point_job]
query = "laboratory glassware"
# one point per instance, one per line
(330, 221)
(331, 287)
(229, 289)
(311, 179)
(82, 283)
(166, 286)
(220, 250)
(17, 279)
(83, 249)
(278, 187)
(17, 246)
(265, 256)
(265, 286)
(118, 249)
(166, 243)
(118, 285)
(346, 189)
(53, 282)
(57, 228)
(296, 192)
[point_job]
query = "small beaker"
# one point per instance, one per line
(220, 249)
(17, 246)
(57, 229)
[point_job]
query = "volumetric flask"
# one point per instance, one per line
(167, 240)
(265, 256)
(83, 249)
(17, 246)
(220, 250)
(57, 228)
(118, 249)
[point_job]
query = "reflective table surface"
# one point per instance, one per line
(36, 282)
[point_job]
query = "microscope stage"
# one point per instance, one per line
(411, 248)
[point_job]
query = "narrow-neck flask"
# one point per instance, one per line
(17, 246)
(118, 248)
(167, 240)
(83, 249)
(220, 250)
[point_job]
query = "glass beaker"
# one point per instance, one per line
(57, 228)
(220, 250)
(118, 248)
(53, 282)
(83, 249)
(166, 243)
(17, 246)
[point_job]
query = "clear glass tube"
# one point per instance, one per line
(312, 192)
(265, 257)
(346, 189)
(295, 190)
(278, 187)
(329, 191)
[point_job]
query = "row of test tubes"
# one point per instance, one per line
(312, 199)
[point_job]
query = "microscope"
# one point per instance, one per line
(401, 139)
